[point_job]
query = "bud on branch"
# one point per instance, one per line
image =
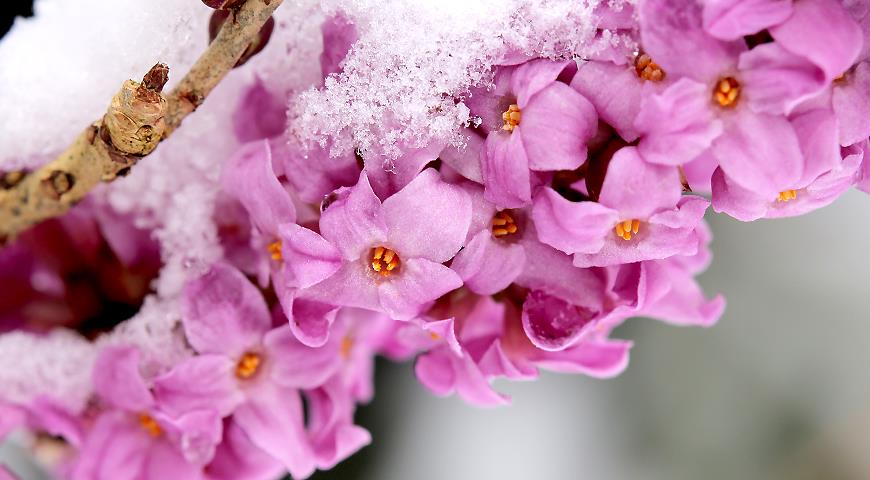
(138, 118)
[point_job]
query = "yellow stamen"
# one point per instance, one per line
(648, 69)
(150, 425)
(385, 261)
(346, 347)
(511, 117)
(726, 92)
(248, 365)
(274, 249)
(786, 195)
(434, 336)
(626, 228)
(503, 224)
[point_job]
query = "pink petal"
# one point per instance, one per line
(667, 233)
(774, 80)
(201, 382)
(553, 324)
(114, 449)
(532, 77)
(615, 91)
(296, 365)
(428, 218)
(249, 177)
(636, 188)
(823, 32)
(488, 265)
(556, 125)
(817, 132)
(223, 312)
(736, 201)
(571, 226)
(748, 157)
(690, 127)
(353, 285)
(274, 421)
(352, 221)
(733, 19)
(420, 281)
(684, 304)
(260, 114)
(310, 319)
(851, 103)
(236, 457)
(672, 34)
(307, 258)
(596, 358)
(117, 379)
(166, 462)
(505, 169)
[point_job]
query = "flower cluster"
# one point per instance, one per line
(577, 202)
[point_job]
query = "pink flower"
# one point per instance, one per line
(379, 256)
(135, 438)
(245, 368)
(640, 215)
(535, 123)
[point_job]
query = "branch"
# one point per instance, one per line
(138, 118)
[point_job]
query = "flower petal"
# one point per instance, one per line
(117, 379)
(553, 324)
(690, 127)
(775, 80)
(352, 221)
(297, 365)
(249, 177)
(734, 19)
(274, 421)
(530, 78)
(852, 104)
(223, 312)
(556, 125)
(823, 32)
(748, 157)
(428, 218)
(571, 226)
(420, 281)
(637, 189)
(201, 382)
(505, 169)
(487, 265)
(615, 91)
(596, 358)
(307, 257)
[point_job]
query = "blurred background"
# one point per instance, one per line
(777, 390)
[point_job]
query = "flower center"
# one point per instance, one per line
(511, 117)
(248, 365)
(727, 92)
(346, 346)
(626, 228)
(150, 425)
(274, 249)
(647, 69)
(385, 261)
(786, 195)
(503, 224)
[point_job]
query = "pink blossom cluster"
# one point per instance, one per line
(577, 202)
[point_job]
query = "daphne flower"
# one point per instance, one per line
(486, 341)
(825, 176)
(378, 256)
(748, 90)
(245, 368)
(535, 123)
(135, 438)
(639, 216)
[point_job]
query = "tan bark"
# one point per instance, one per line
(138, 118)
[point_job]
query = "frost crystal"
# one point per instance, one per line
(413, 58)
